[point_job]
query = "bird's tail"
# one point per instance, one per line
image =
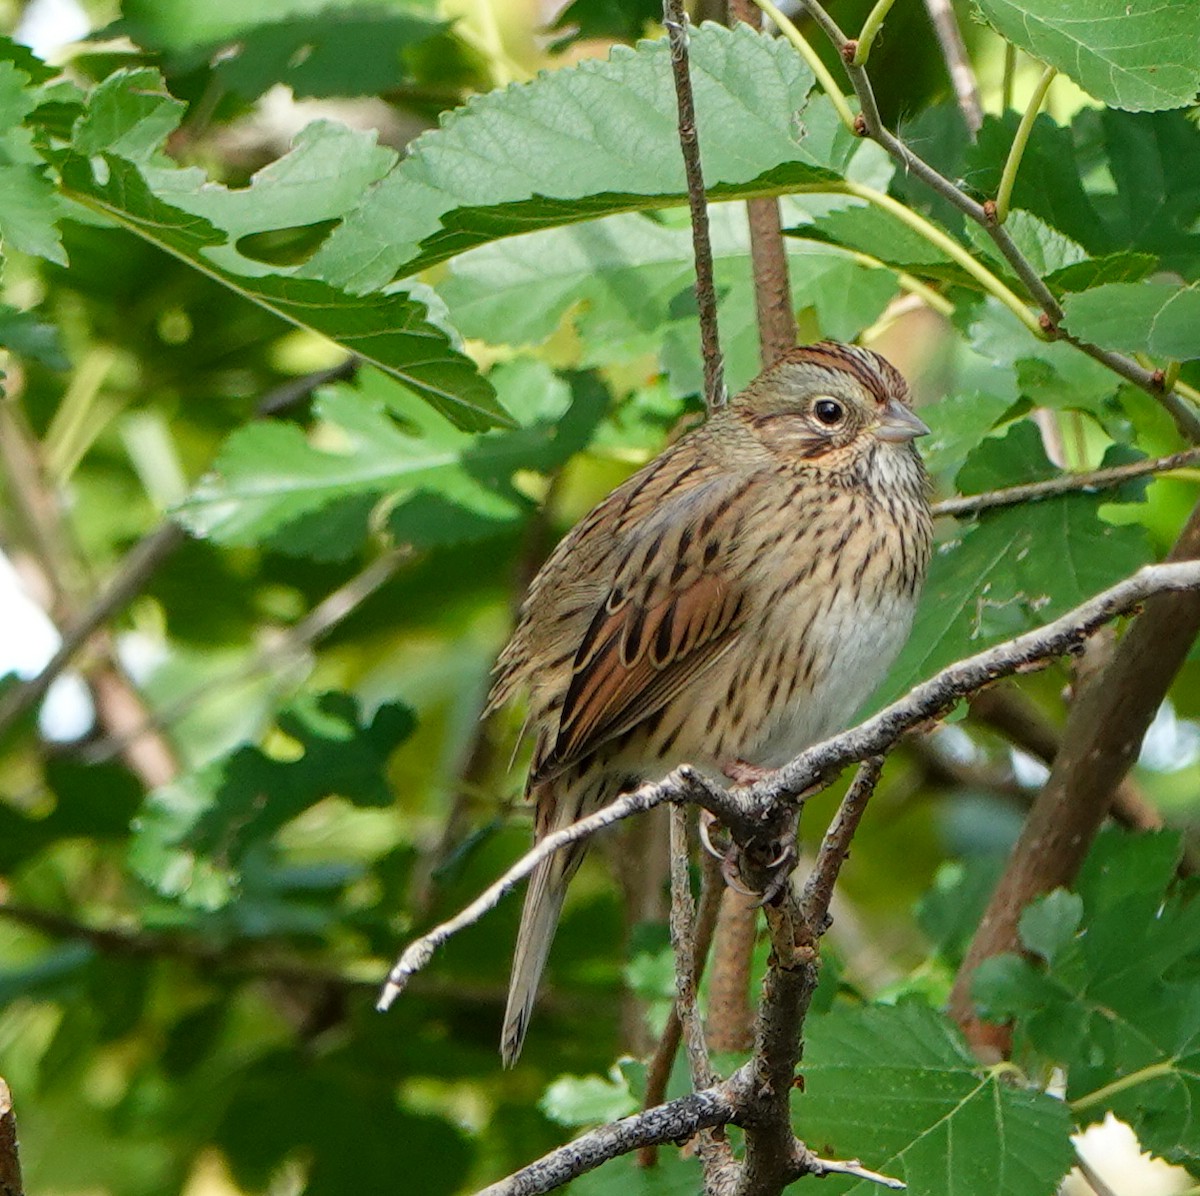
(539, 916)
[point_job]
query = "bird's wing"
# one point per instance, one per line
(672, 610)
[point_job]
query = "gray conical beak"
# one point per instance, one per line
(899, 424)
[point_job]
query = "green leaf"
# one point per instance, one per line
(957, 424)
(628, 277)
(1121, 1023)
(391, 331)
(614, 20)
(1160, 318)
(1050, 923)
(194, 833)
(1046, 248)
(1132, 54)
(269, 476)
(1014, 569)
(359, 51)
(596, 139)
(584, 1100)
(1094, 272)
(896, 1087)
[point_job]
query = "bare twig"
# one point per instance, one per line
(675, 19)
(10, 1162)
(683, 940)
(1068, 483)
(299, 390)
(658, 1073)
(870, 124)
(958, 64)
(766, 809)
(773, 1155)
(676, 1121)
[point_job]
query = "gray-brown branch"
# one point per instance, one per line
(763, 812)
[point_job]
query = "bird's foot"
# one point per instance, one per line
(771, 862)
(742, 772)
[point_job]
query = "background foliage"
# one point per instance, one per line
(276, 772)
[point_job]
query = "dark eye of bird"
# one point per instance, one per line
(828, 411)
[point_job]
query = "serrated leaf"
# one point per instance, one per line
(896, 1087)
(391, 331)
(627, 275)
(269, 476)
(1094, 272)
(596, 138)
(1124, 1024)
(1159, 318)
(1045, 248)
(1015, 568)
(1132, 54)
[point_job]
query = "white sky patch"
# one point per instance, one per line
(49, 25)
(27, 641)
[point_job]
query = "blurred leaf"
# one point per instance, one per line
(28, 334)
(617, 20)
(1133, 54)
(584, 1100)
(596, 138)
(898, 1088)
(194, 833)
(957, 424)
(673, 1175)
(349, 52)
(1160, 318)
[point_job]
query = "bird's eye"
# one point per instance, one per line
(828, 411)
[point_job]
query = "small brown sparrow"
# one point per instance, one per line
(734, 602)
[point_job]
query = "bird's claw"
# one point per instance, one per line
(777, 869)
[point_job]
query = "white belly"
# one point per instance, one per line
(864, 640)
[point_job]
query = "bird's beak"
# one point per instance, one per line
(899, 424)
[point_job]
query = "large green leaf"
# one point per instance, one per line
(631, 278)
(391, 331)
(1161, 318)
(1134, 54)
(595, 139)
(898, 1088)
(1122, 1024)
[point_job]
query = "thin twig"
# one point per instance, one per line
(1069, 483)
(676, 1121)
(675, 19)
(658, 1073)
(764, 808)
(142, 561)
(958, 64)
(299, 390)
(870, 124)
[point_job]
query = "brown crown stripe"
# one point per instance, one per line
(876, 374)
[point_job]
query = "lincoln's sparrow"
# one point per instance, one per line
(732, 603)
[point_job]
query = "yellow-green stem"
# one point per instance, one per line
(914, 286)
(830, 87)
(870, 30)
(1006, 81)
(1143, 1076)
(940, 240)
(1020, 141)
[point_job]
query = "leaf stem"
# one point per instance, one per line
(1142, 1076)
(940, 240)
(870, 30)
(1020, 141)
(828, 84)
(1006, 81)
